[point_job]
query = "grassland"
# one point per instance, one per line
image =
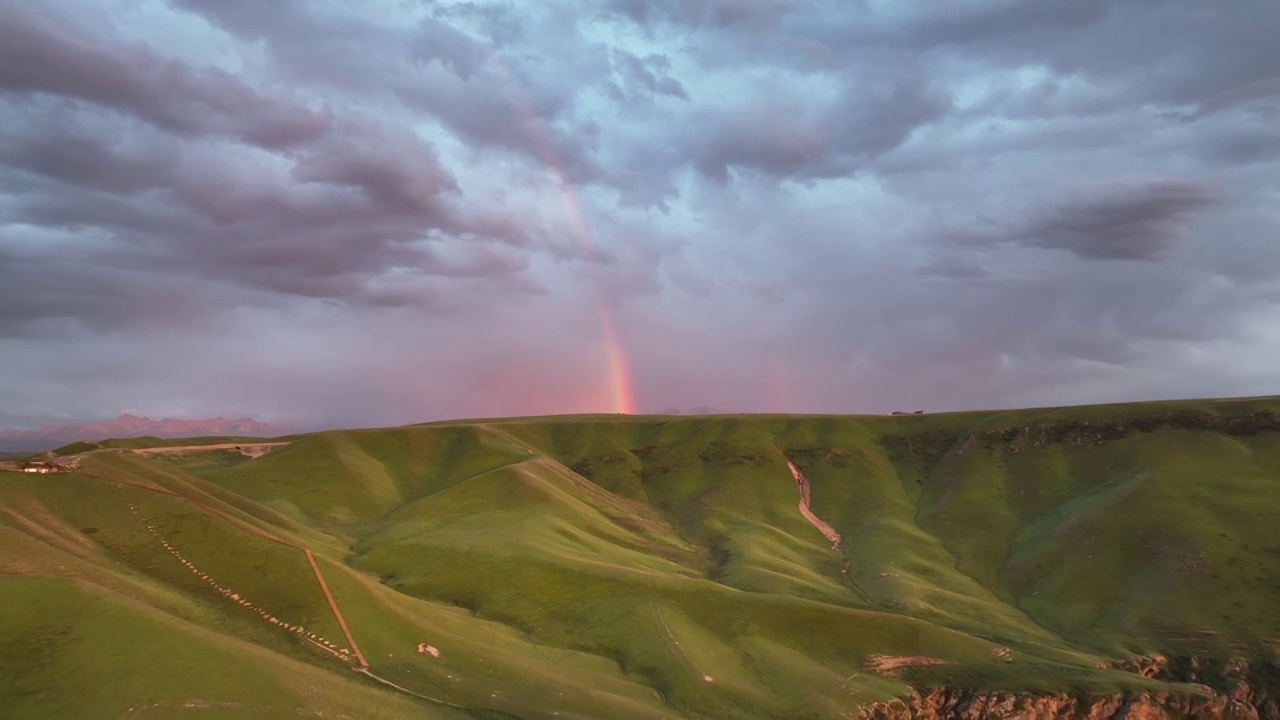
(645, 566)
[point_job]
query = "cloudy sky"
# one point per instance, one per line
(390, 211)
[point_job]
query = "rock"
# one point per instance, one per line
(1242, 704)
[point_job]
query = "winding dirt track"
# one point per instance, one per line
(823, 527)
(674, 645)
(252, 449)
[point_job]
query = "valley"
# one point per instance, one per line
(1103, 561)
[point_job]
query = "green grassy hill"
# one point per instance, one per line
(648, 566)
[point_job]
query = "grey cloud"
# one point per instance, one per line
(397, 171)
(58, 293)
(56, 148)
(648, 73)
(770, 140)
(445, 44)
(781, 137)
(477, 261)
(953, 267)
(360, 220)
(1246, 95)
(498, 21)
(734, 14)
(976, 22)
(476, 93)
(35, 58)
(1129, 221)
(1176, 53)
(1183, 58)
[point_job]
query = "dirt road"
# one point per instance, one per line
(315, 567)
(822, 526)
(250, 449)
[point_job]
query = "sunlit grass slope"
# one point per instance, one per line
(609, 566)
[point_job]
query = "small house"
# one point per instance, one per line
(39, 466)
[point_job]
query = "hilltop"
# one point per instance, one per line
(1099, 561)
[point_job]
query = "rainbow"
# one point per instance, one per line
(621, 391)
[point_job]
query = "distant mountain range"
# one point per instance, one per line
(126, 426)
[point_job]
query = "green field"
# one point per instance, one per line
(649, 566)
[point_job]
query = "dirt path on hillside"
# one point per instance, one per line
(253, 450)
(823, 527)
(240, 707)
(673, 644)
(226, 592)
(363, 667)
(315, 567)
(333, 604)
(407, 691)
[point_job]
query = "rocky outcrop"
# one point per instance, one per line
(1148, 666)
(1234, 689)
(970, 705)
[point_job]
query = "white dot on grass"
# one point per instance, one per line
(708, 678)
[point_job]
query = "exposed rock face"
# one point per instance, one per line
(1241, 690)
(948, 703)
(1148, 666)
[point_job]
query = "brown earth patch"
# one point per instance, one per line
(888, 663)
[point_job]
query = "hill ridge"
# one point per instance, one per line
(610, 568)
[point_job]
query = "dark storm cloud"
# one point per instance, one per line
(498, 21)
(951, 267)
(397, 172)
(457, 79)
(37, 56)
(833, 136)
(229, 183)
(1208, 58)
(734, 14)
(41, 294)
(976, 22)
(648, 74)
(1144, 220)
(359, 216)
(75, 154)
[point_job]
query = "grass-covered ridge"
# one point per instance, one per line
(649, 566)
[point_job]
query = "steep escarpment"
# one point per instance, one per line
(964, 705)
(1235, 689)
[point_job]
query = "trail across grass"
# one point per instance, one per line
(316, 640)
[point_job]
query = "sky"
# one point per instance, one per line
(389, 211)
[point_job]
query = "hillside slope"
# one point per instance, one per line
(722, 566)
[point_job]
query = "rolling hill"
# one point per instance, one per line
(1103, 561)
